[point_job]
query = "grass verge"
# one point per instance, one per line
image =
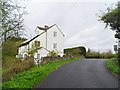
(33, 76)
(113, 66)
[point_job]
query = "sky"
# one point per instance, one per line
(77, 19)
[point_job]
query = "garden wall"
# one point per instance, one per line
(55, 58)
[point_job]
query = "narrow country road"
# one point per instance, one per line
(88, 73)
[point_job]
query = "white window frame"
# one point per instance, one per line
(55, 34)
(54, 45)
(38, 56)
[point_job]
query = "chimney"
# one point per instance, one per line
(46, 27)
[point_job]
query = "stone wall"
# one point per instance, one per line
(55, 58)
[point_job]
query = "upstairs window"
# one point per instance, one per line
(55, 46)
(36, 44)
(55, 34)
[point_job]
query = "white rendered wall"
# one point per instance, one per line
(51, 39)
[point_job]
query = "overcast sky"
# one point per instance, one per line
(78, 20)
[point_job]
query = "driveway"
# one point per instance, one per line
(88, 73)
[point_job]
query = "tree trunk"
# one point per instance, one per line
(5, 37)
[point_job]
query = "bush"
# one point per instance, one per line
(52, 53)
(17, 68)
(10, 47)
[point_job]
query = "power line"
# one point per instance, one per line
(67, 11)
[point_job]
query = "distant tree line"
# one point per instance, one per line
(96, 54)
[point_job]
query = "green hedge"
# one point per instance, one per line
(76, 51)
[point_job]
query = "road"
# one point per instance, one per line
(88, 73)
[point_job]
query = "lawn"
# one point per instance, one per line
(113, 66)
(33, 76)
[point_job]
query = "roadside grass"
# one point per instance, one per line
(113, 66)
(33, 76)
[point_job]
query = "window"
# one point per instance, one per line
(55, 34)
(38, 43)
(35, 44)
(38, 56)
(32, 45)
(55, 46)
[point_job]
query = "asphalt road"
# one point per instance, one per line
(88, 73)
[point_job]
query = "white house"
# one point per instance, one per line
(48, 39)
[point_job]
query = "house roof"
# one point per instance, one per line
(28, 41)
(45, 49)
(41, 28)
(47, 28)
(59, 29)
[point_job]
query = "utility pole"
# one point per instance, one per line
(117, 35)
(119, 51)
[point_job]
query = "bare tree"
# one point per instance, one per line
(12, 19)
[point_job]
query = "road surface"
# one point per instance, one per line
(88, 73)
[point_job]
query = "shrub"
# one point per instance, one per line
(52, 53)
(17, 68)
